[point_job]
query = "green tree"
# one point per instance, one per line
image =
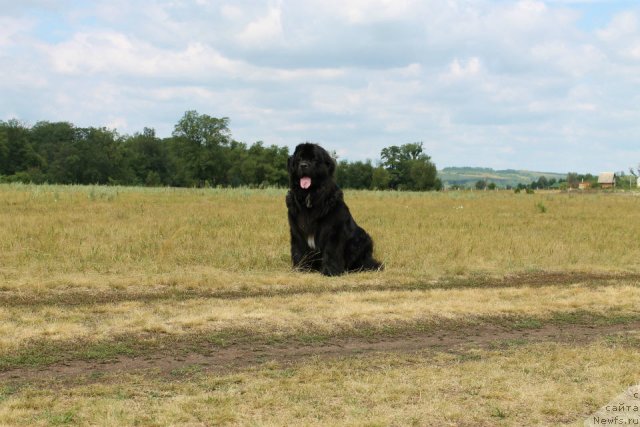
(409, 167)
(202, 129)
(16, 152)
(99, 156)
(624, 181)
(242, 170)
(272, 164)
(357, 175)
(4, 150)
(394, 160)
(636, 174)
(52, 141)
(153, 179)
(198, 148)
(422, 176)
(380, 179)
(543, 183)
(147, 159)
(481, 184)
(572, 180)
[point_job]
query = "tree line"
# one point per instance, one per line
(200, 152)
(571, 182)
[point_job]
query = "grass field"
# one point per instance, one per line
(133, 306)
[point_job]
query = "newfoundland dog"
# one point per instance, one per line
(324, 236)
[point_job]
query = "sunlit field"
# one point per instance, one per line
(125, 306)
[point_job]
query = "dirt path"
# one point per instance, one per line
(19, 298)
(195, 354)
(246, 355)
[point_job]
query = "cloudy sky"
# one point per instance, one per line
(546, 85)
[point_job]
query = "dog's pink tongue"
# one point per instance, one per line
(305, 182)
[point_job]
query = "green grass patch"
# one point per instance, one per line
(509, 343)
(107, 350)
(60, 418)
(583, 317)
(623, 339)
(44, 352)
(187, 371)
(6, 391)
(527, 323)
(312, 338)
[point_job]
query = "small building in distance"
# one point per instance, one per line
(584, 185)
(607, 180)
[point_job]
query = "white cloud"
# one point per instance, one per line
(463, 69)
(11, 28)
(117, 54)
(264, 30)
(363, 11)
(621, 26)
(231, 12)
(634, 50)
(570, 59)
(502, 84)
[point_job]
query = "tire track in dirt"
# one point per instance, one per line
(160, 293)
(246, 354)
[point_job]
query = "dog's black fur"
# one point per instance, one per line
(319, 217)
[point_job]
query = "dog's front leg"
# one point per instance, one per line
(302, 256)
(333, 258)
(298, 251)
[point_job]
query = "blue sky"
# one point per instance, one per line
(542, 85)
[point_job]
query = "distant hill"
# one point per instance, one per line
(468, 176)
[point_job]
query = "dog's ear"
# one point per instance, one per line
(331, 165)
(329, 161)
(290, 164)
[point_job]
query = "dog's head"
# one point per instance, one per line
(309, 166)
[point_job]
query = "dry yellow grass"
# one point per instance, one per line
(540, 384)
(304, 313)
(92, 265)
(97, 237)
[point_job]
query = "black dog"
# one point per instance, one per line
(324, 236)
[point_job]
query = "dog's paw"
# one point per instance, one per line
(329, 271)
